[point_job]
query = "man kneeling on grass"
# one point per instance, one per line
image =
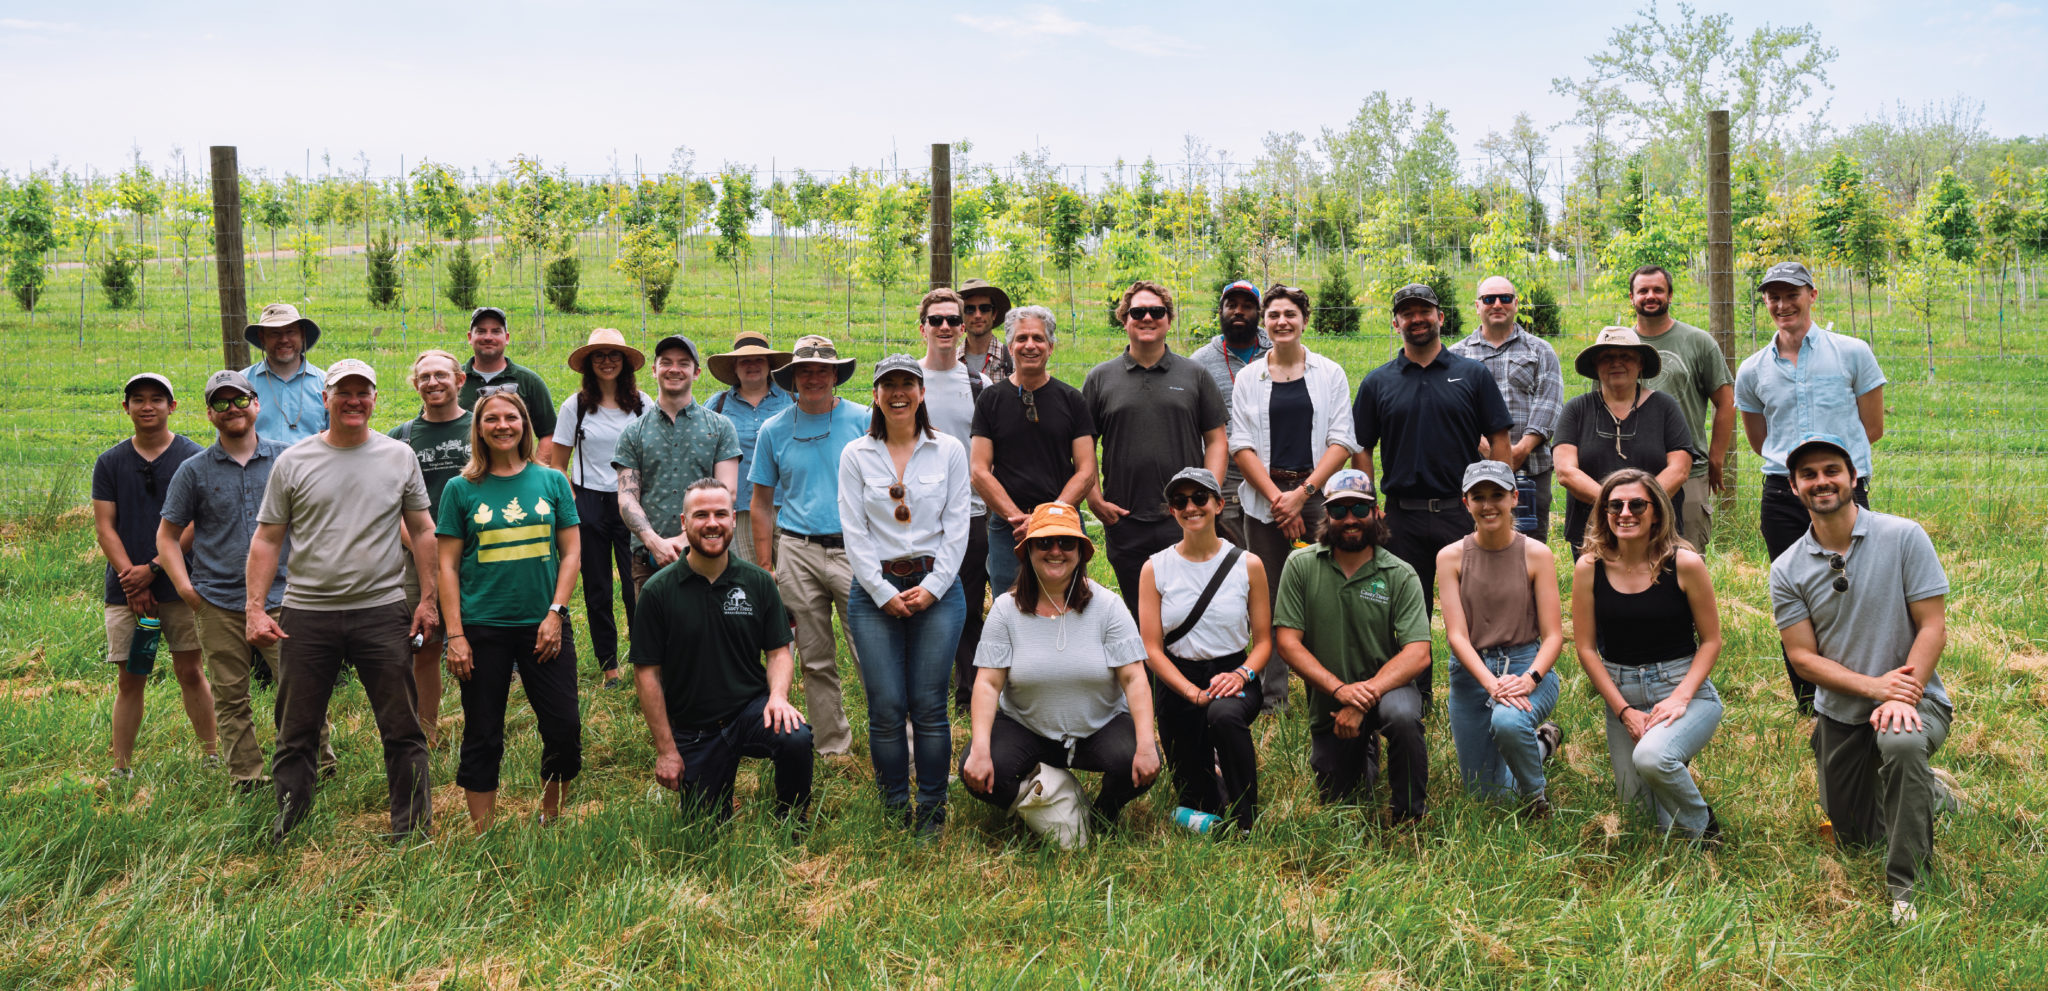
(701, 627)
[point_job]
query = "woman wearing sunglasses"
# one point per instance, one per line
(1061, 677)
(586, 434)
(1208, 626)
(903, 509)
(1648, 633)
(1290, 430)
(1622, 424)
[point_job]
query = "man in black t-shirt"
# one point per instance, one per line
(699, 632)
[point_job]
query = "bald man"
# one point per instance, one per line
(1531, 381)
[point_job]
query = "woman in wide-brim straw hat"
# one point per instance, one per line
(1061, 676)
(587, 432)
(725, 367)
(1622, 424)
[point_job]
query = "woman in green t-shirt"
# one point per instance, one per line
(509, 558)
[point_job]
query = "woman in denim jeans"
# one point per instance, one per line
(1645, 623)
(903, 508)
(1498, 590)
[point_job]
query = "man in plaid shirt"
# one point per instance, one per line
(1531, 382)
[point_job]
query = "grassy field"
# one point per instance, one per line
(167, 881)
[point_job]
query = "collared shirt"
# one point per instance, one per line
(934, 489)
(1430, 419)
(746, 420)
(1354, 625)
(1815, 395)
(670, 452)
(1693, 369)
(1151, 421)
(1867, 628)
(797, 455)
(1531, 382)
(292, 408)
(219, 499)
(995, 363)
(707, 637)
(1329, 392)
(517, 379)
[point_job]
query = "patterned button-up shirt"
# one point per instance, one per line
(1531, 382)
(670, 453)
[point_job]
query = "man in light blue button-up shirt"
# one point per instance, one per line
(287, 385)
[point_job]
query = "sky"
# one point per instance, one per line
(600, 84)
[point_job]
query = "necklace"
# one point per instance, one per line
(1609, 408)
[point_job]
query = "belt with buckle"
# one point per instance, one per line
(1429, 505)
(1286, 475)
(831, 540)
(906, 567)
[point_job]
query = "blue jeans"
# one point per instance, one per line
(1002, 557)
(1497, 749)
(907, 668)
(1651, 772)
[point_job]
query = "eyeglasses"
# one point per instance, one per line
(897, 492)
(223, 405)
(1840, 566)
(607, 356)
(1356, 509)
(1635, 507)
(1062, 543)
(149, 476)
(941, 320)
(1030, 401)
(1149, 312)
(1199, 497)
(981, 308)
(1493, 298)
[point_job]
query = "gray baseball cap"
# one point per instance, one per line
(1414, 291)
(898, 363)
(140, 377)
(489, 311)
(678, 341)
(1790, 273)
(1199, 476)
(228, 378)
(1496, 472)
(1819, 442)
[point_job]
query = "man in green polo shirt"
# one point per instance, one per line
(698, 636)
(1351, 623)
(490, 371)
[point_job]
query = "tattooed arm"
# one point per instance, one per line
(635, 518)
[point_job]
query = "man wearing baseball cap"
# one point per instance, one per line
(489, 370)
(1241, 342)
(1808, 379)
(1350, 621)
(129, 481)
(661, 453)
(340, 497)
(287, 384)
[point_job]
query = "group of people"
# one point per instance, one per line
(1260, 516)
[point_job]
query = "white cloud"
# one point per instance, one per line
(1046, 21)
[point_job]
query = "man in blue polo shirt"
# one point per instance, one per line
(288, 386)
(1428, 410)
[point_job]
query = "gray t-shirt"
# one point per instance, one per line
(219, 499)
(1062, 683)
(341, 507)
(1868, 628)
(1693, 368)
(949, 401)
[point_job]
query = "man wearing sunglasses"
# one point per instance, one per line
(951, 388)
(1694, 372)
(1531, 382)
(1859, 601)
(984, 308)
(1241, 342)
(129, 483)
(1157, 413)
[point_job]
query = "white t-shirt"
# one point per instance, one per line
(590, 465)
(949, 401)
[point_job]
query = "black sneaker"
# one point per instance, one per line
(929, 822)
(1710, 837)
(1549, 737)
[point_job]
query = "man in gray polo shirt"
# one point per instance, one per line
(1859, 603)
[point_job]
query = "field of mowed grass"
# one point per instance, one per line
(168, 880)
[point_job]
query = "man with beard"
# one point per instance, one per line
(1531, 383)
(287, 384)
(1350, 621)
(1429, 410)
(668, 447)
(1694, 372)
(698, 637)
(1859, 602)
(490, 371)
(984, 307)
(439, 438)
(1241, 343)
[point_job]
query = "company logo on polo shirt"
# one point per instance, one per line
(736, 603)
(1374, 590)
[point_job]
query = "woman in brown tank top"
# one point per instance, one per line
(1498, 592)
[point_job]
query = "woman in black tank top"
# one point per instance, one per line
(1648, 633)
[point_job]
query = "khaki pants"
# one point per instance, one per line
(228, 658)
(1696, 520)
(743, 536)
(814, 580)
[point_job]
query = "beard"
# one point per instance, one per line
(1652, 308)
(1352, 537)
(1240, 333)
(710, 541)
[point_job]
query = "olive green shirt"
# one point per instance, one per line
(1354, 625)
(1693, 367)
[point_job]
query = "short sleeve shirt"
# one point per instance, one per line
(590, 463)
(137, 488)
(1816, 395)
(218, 499)
(507, 527)
(949, 401)
(747, 419)
(1428, 421)
(442, 449)
(1868, 628)
(292, 408)
(670, 452)
(517, 379)
(707, 637)
(1033, 461)
(1354, 625)
(797, 455)
(1646, 438)
(343, 508)
(1151, 422)
(1693, 368)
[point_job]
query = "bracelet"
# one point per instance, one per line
(453, 636)
(1246, 673)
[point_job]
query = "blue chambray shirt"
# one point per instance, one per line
(1815, 396)
(292, 410)
(746, 422)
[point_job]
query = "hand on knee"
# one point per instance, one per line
(1657, 765)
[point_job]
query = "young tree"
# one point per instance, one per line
(736, 210)
(883, 260)
(465, 277)
(1336, 304)
(1069, 225)
(534, 220)
(383, 271)
(31, 232)
(1927, 278)
(1521, 156)
(647, 256)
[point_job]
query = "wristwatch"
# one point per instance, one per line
(1312, 488)
(155, 568)
(1535, 677)
(559, 610)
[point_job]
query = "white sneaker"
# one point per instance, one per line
(1904, 914)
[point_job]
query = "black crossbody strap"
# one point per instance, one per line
(1202, 604)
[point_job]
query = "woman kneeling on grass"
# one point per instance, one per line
(509, 557)
(1207, 659)
(1648, 633)
(1062, 677)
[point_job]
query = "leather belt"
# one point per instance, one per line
(906, 567)
(1429, 505)
(833, 541)
(1284, 475)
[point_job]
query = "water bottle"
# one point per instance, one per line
(1525, 503)
(142, 649)
(1199, 822)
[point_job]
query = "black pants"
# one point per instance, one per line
(1015, 752)
(495, 652)
(1417, 534)
(376, 641)
(607, 545)
(1200, 739)
(1345, 769)
(1783, 520)
(711, 763)
(974, 585)
(1131, 541)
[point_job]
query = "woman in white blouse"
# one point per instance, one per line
(903, 508)
(1290, 430)
(586, 433)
